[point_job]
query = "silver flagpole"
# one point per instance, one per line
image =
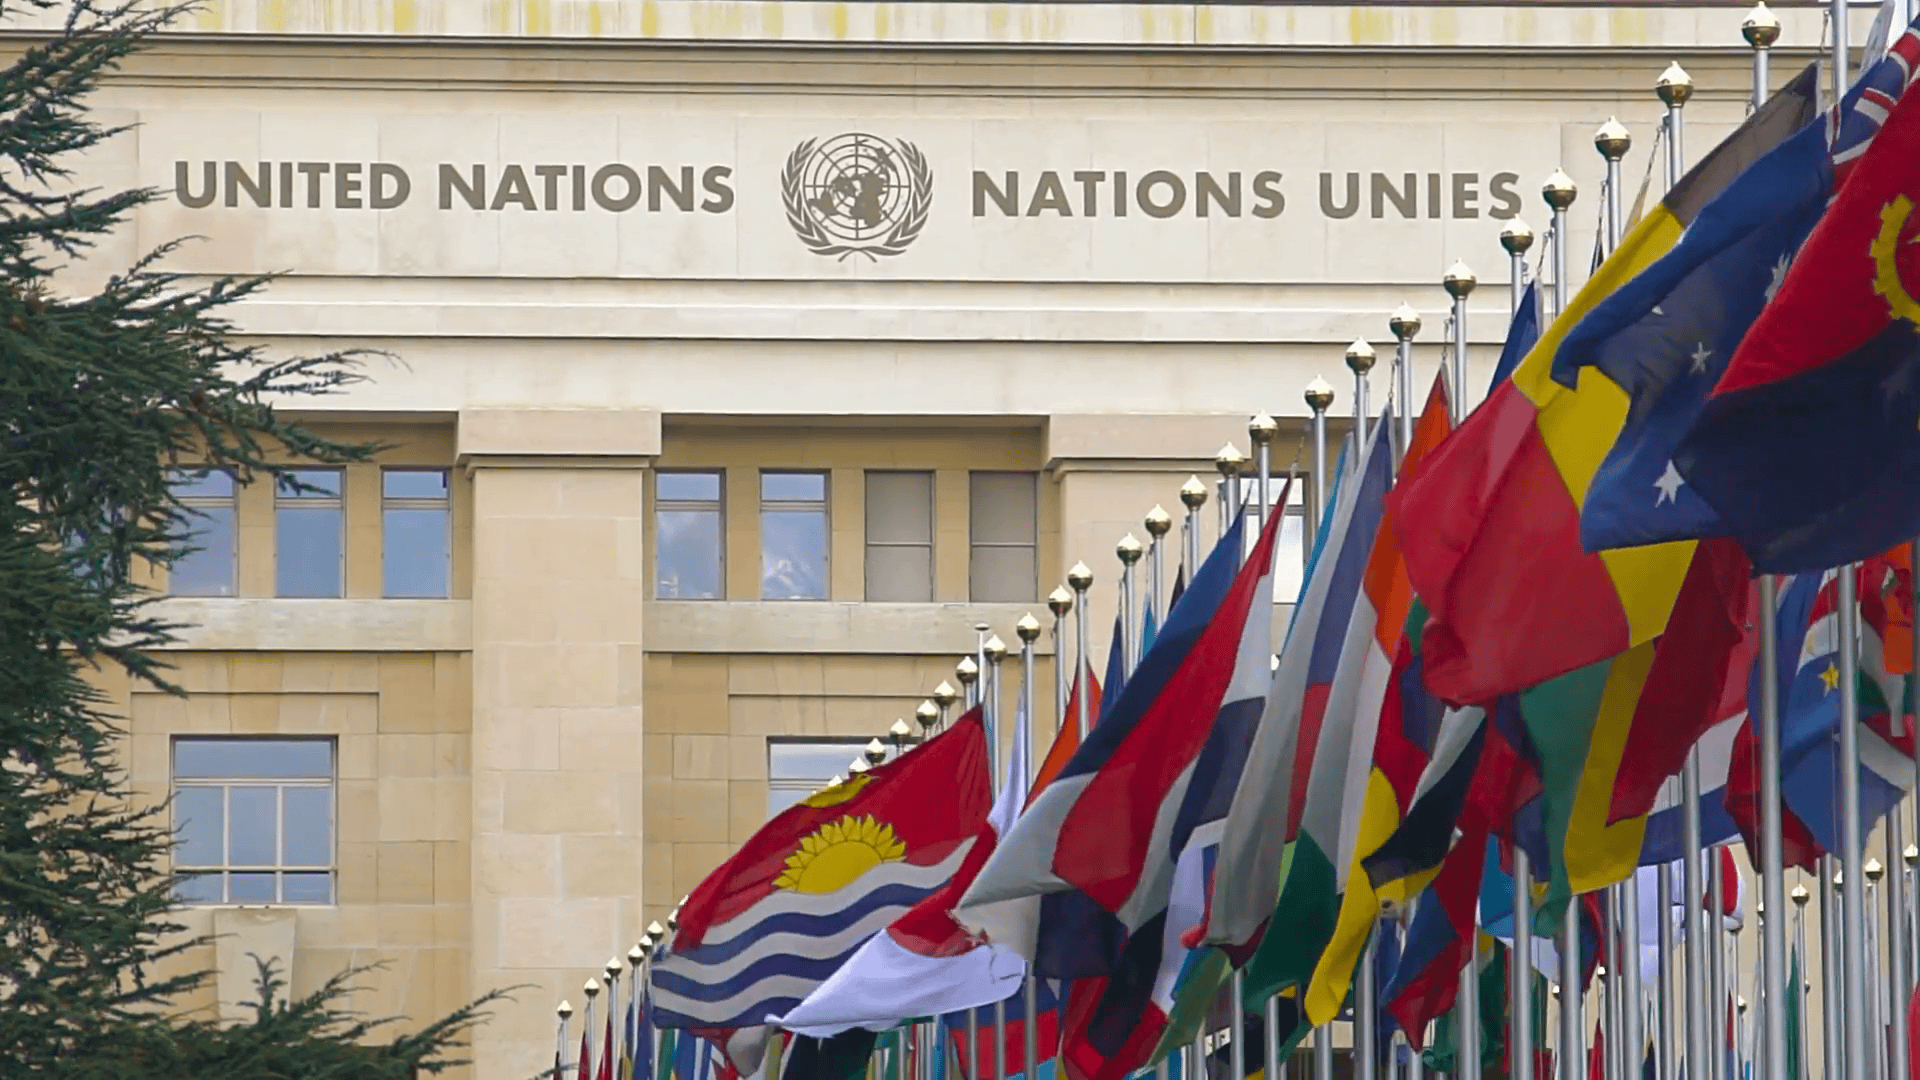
(1516, 238)
(1675, 88)
(995, 651)
(1459, 282)
(1404, 323)
(1158, 523)
(1128, 551)
(564, 1012)
(1080, 579)
(1773, 938)
(1360, 359)
(1803, 1030)
(1323, 1052)
(1853, 915)
(1837, 63)
(1261, 431)
(1876, 1022)
(1028, 631)
(613, 1004)
(1717, 958)
(1559, 192)
(1365, 1002)
(1231, 464)
(1060, 602)
(1468, 1010)
(1831, 1003)
(1319, 397)
(592, 989)
(1236, 1025)
(1193, 496)
(1416, 1062)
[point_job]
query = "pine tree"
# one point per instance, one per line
(100, 397)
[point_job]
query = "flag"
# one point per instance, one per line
(842, 1057)
(1285, 815)
(669, 1054)
(924, 963)
(1523, 333)
(637, 1059)
(1066, 738)
(1013, 1060)
(583, 1065)
(606, 1046)
(1807, 447)
(799, 897)
(1389, 748)
(1490, 526)
(1116, 679)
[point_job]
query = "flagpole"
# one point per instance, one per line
(1193, 496)
(613, 1008)
(1060, 602)
(1717, 957)
(1876, 1024)
(1516, 238)
(1520, 971)
(1459, 282)
(1158, 523)
(1260, 432)
(1360, 359)
(564, 1012)
(1366, 1003)
(1404, 323)
(1804, 1023)
(1853, 914)
(1128, 551)
(592, 989)
(995, 651)
(1319, 398)
(1773, 938)
(1080, 579)
(1837, 63)
(1831, 1003)
(1028, 631)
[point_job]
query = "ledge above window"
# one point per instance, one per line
(234, 625)
(829, 627)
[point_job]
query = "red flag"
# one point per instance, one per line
(583, 1068)
(1067, 739)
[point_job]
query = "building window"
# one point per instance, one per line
(208, 497)
(309, 534)
(689, 536)
(253, 820)
(900, 536)
(1290, 547)
(1004, 564)
(796, 768)
(793, 536)
(416, 533)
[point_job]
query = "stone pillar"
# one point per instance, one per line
(558, 588)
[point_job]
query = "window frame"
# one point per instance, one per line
(280, 868)
(869, 543)
(295, 500)
(388, 503)
(1295, 507)
(799, 506)
(193, 503)
(718, 506)
(805, 785)
(974, 543)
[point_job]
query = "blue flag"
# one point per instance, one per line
(1522, 335)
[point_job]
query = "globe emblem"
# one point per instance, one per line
(857, 194)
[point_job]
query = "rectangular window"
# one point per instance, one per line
(416, 533)
(1290, 547)
(253, 820)
(793, 536)
(208, 497)
(1004, 530)
(900, 537)
(689, 536)
(309, 531)
(796, 768)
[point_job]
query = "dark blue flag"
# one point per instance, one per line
(1522, 335)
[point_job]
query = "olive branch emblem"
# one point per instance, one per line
(814, 234)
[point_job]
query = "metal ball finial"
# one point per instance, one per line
(635, 955)
(1193, 493)
(1079, 577)
(1800, 895)
(1158, 522)
(876, 751)
(1516, 237)
(1319, 395)
(1262, 429)
(565, 1010)
(656, 931)
(1613, 140)
(1874, 870)
(1360, 357)
(1404, 322)
(1129, 549)
(898, 731)
(857, 766)
(1674, 86)
(1060, 601)
(1910, 856)
(967, 670)
(1459, 280)
(592, 988)
(1559, 190)
(945, 695)
(1762, 28)
(1027, 629)
(1229, 462)
(613, 970)
(927, 714)
(996, 649)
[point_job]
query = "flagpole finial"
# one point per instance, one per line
(1517, 237)
(1559, 190)
(945, 695)
(1230, 461)
(967, 670)
(1761, 28)
(1911, 855)
(565, 1010)
(635, 955)
(899, 731)
(1800, 896)
(1873, 870)
(1319, 395)
(613, 970)
(1027, 629)
(996, 649)
(927, 715)
(1262, 429)
(857, 766)
(1836, 881)
(1080, 578)
(1613, 140)
(1404, 322)
(656, 931)
(1360, 357)
(1674, 86)
(592, 988)
(1158, 521)
(1128, 549)
(1193, 493)
(1060, 601)
(876, 751)
(1459, 280)
(838, 779)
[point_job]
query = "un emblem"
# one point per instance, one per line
(857, 194)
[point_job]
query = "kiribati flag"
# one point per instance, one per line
(766, 928)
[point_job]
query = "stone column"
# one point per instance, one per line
(558, 588)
